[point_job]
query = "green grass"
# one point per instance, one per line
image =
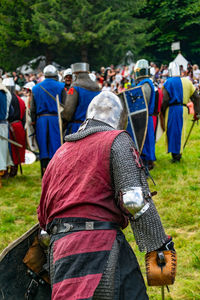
(178, 187)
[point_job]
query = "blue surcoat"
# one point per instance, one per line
(180, 90)
(47, 125)
(84, 98)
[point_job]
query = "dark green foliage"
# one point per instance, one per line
(100, 32)
(173, 20)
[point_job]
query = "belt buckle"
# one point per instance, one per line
(67, 226)
(89, 225)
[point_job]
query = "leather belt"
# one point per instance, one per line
(46, 115)
(77, 121)
(76, 226)
(177, 104)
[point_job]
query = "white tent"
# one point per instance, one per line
(180, 60)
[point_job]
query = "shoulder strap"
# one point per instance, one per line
(48, 93)
(51, 96)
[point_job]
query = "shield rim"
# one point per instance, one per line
(15, 243)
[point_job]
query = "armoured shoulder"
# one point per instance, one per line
(84, 81)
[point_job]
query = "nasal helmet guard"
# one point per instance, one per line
(141, 69)
(108, 108)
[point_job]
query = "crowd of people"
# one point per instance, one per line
(113, 79)
(98, 168)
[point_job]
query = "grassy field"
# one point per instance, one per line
(178, 187)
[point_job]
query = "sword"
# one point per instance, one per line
(189, 133)
(10, 141)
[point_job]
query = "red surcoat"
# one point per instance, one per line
(17, 134)
(77, 182)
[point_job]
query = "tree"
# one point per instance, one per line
(15, 32)
(173, 20)
(96, 30)
(86, 30)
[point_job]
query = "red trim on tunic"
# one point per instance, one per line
(71, 91)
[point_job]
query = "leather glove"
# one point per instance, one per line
(161, 265)
(169, 245)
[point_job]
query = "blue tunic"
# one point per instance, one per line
(47, 127)
(3, 106)
(148, 151)
(180, 90)
(84, 99)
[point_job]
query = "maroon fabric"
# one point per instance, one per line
(22, 107)
(84, 241)
(160, 98)
(17, 134)
(80, 287)
(84, 287)
(77, 182)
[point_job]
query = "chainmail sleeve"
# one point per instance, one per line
(125, 172)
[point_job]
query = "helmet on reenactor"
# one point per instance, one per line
(174, 69)
(141, 69)
(80, 67)
(50, 72)
(67, 72)
(108, 108)
(9, 83)
(67, 76)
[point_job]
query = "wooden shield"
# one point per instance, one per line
(15, 278)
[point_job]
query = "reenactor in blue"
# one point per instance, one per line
(142, 74)
(83, 90)
(45, 116)
(177, 92)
